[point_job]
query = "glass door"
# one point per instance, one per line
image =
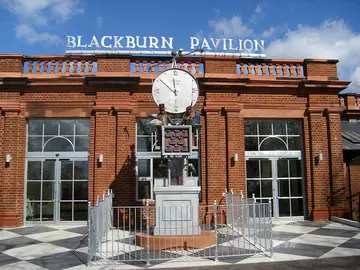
(56, 190)
(279, 179)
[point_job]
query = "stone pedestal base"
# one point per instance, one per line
(177, 210)
(180, 242)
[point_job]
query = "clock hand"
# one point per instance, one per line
(174, 86)
(167, 85)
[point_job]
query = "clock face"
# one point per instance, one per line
(176, 89)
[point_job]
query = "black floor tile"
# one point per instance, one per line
(302, 249)
(351, 243)
(284, 236)
(72, 243)
(335, 232)
(6, 259)
(32, 230)
(58, 261)
(308, 223)
(81, 230)
(16, 242)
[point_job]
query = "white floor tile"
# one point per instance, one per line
(341, 252)
(65, 227)
(340, 226)
(34, 251)
(321, 240)
(357, 236)
(21, 265)
(7, 235)
(53, 236)
(276, 257)
(294, 229)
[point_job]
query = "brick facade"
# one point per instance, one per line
(115, 96)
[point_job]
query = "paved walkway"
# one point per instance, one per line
(65, 247)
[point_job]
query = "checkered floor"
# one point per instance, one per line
(65, 247)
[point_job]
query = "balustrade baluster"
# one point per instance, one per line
(189, 67)
(82, 65)
(277, 68)
(242, 68)
(298, 70)
(37, 66)
(263, 69)
(30, 66)
(249, 68)
(144, 66)
(285, 70)
(75, 66)
(256, 68)
(67, 66)
(52, 67)
(197, 67)
(60, 66)
(137, 66)
(291, 69)
(271, 69)
(45, 66)
(90, 66)
(167, 65)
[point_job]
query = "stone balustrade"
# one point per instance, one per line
(60, 65)
(145, 66)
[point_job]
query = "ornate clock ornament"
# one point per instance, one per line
(176, 88)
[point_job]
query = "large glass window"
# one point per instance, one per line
(272, 135)
(58, 135)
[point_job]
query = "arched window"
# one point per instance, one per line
(273, 144)
(58, 144)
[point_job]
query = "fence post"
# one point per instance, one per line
(242, 213)
(215, 230)
(89, 234)
(254, 217)
(147, 233)
(270, 225)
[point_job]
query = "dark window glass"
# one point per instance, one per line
(144, 167)
(34, 170)
(143, 127)
(51, 127)
(284, 207)
(80, 211)
(81, 170)
(67, 127)
(253, 186)
(66, 170)
(47, 191)
(283, 186)
(293, 127)
(250, 127)
(266, 188)
(251, 144)
(279, 127)
(296, 187)
(266, 169)
(265, 127)
(160, 168)
(33, 191)
(252, 169)
(143, 144)
(143, 190)
(82, 143)
(35, 144)
(35, 127)
(82, 127)
(80, 190)
(295, 168)
(297, 207)
(273, 144)
(282, 167)
(49, 170)
(294, 143)
(66, 190)
(66, 211)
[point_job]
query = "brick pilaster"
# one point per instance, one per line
(216, 179)
(235, 145)
(337, 185)
(320, 182)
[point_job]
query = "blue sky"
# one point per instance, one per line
(291, 29)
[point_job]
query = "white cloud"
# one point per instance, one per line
(232, 27)
(269, 33)
(31, 36)
(41, 14)
(333, 39)
(258, 13)
(99, 21)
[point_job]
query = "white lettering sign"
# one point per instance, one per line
(151, 42)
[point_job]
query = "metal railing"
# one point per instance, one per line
(99, 223)
(130, 234)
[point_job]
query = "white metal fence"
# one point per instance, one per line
(130, 234)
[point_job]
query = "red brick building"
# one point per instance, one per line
(59, 114)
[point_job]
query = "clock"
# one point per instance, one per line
(176, 89)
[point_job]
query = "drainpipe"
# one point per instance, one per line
(349, 180)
